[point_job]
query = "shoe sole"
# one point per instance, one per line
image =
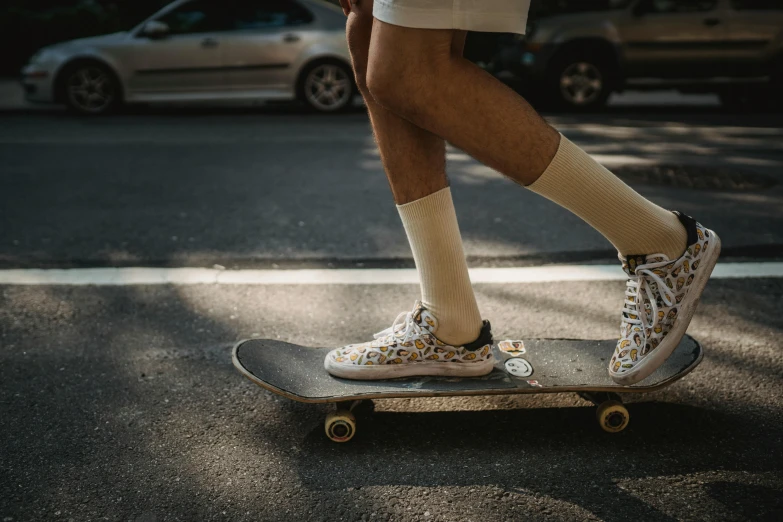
(662, 352)
(412, 369)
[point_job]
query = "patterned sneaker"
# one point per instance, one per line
(410, 347)
(661, 297)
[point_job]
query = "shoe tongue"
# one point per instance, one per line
(634, 261)
(424, 318)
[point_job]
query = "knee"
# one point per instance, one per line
(380, 82)
(358, 32)
(396, 85)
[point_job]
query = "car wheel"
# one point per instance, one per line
(580, 82)
(90, 89)
(327, 87)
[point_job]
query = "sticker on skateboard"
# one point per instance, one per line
(518, 367)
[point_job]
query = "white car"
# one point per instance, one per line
(204, 50)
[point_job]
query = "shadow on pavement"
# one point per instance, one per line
(558, 452)
(92, 396)
(750, 502)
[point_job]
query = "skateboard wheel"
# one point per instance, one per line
(340, 426)
(612, 416)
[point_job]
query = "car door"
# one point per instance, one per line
(675, 39)
(269, 37)
(189, 58)
(756, 35)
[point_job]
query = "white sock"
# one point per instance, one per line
(633, 224)
(433, 233)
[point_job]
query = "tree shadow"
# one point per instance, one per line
(750, 502)
(99, 397)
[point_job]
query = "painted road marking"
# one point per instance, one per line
(350, 276)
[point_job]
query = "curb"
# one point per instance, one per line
(13, 110)
(10, 110)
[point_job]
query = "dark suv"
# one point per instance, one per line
(578, 52)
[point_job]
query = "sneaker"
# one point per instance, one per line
(661, 297)
(411, 347)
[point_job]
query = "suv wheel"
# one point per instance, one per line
(90, 89)
(580, 82)
(327, 86)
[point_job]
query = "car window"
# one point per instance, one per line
(264, 14)
(199, 16)
(677, 6)
(757, 5)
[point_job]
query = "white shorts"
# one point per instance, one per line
(500, 16)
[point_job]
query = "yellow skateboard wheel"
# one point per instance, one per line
(612, 416)
(340, 426)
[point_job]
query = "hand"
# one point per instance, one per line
(346, 5)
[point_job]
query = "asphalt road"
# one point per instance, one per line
(194, 189)
(121, 403)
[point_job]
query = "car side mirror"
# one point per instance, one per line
(155, 29)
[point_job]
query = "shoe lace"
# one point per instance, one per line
(639, 285)
(403, 328)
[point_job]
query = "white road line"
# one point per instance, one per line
(350, 276)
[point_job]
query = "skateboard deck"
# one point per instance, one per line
(522, 366)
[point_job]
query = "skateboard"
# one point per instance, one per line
(521, 366)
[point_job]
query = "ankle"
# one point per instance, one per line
(456, 331)
(667, 236)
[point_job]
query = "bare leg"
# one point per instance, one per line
(415, 164)
(414, 159)
(416, 73)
